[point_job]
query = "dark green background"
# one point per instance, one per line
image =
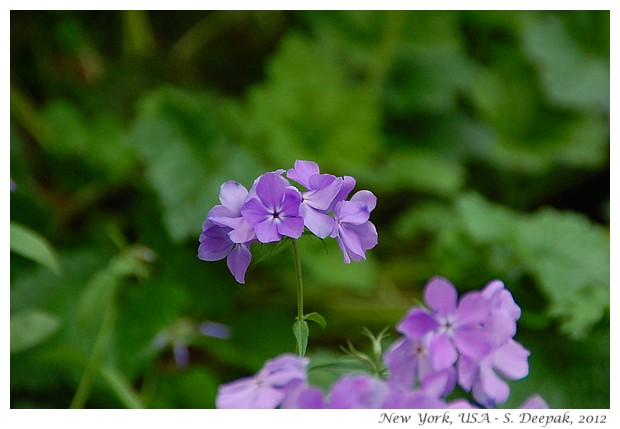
(484, 135)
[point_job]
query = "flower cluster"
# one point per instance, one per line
(468, 342)
(273, 208)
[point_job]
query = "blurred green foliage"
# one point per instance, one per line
(484, 134)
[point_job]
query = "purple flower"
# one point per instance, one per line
(457, 327)
(507, 357)
(352, 229)
(274, 212)
(216, 244)
(266, 389)
(322, 189)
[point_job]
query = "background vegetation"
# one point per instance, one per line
(485, 136)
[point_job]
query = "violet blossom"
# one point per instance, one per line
(274, 212)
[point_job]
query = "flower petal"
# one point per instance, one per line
(511, 360)
(352, 242)
(367, 233)
(255, 212)
(214, 244)
(238, 262)
(319, 223)
(474, 343)
(490, 389)
(267, 231)
(302, 172)
(367, 197)
(473, 309)
(417, 323)
(232, 196)
(442, 351)
(270, 189)
(353, 212)
(348, 183)
(323, 195)
(441, 296)
(291, 226)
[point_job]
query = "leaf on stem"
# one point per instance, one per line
(316, 318)
(301, 331)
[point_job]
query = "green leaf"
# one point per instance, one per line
(303, 110)
(419, 170)
(31, 245)
(316, 318)
(301, 331)
(187, 155)
(549, 45)
(94, 141)
(30, 328)
(566, 254)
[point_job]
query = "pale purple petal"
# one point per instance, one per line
(501, 327)
(242, 232)
(302, 172)
(343, 248)
(291, 227)
(467, 371)
(492, 288)
(237, 394)
(367, 233)
(270, 189)
(442, 351)
(232, 196)
(322, 197)
(353, 212)
(511, 360)
(473, 309)
(254, 212)
(348, 183)
(320, 181)
(534, 402)
(440, 383)
(401, 362)
(267, 231)
(441, 296)
(238, 262)
(298, 395)
(214, 244)
(283, 369)
(358, 391)
(318, 223)
(490, 389)
(268, 398)
(474, 343)
(367, 197)
(352, 243)
(222, 216)
(417, 323)
(290, 203)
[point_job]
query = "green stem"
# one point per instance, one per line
(300, 286)
(97, 357)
